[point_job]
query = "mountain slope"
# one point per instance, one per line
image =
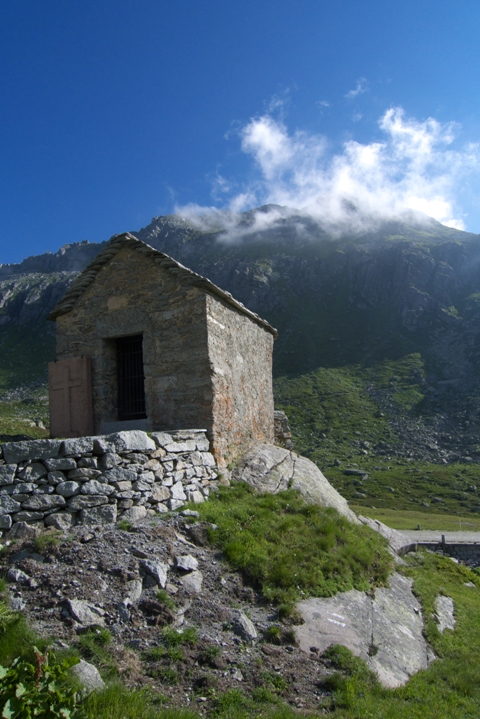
(350, 299)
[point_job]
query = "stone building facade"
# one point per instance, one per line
(145, 343)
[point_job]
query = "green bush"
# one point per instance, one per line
(40, 689)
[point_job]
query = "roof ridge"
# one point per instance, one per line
(114, 245)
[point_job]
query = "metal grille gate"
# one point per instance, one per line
(131, 389)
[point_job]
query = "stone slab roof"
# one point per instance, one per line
(117, 243)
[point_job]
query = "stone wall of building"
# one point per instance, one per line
(207, 360)
(240, 352)
(133, 294)
(98, 480)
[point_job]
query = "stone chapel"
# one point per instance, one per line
(145, 343)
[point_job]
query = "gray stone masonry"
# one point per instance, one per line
(207, 359)
(99, 480)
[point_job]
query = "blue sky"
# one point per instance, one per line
(114, 111)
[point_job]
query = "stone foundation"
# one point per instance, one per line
(99, 480)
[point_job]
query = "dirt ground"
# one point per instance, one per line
(116, 575)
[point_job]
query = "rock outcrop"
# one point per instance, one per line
(272, 469)
(385, 630)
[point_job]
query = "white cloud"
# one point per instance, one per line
(413, 166)
(323, 103)
(360, 88)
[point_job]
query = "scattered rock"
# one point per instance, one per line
(16, 575)
(243, 626)
(444, 613)
(192, 582)
(85, 613)
(87, 676)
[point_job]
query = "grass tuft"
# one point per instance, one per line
(291, 549)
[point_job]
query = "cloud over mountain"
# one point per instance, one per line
(414, 165)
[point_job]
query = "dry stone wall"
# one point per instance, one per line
(99, 480)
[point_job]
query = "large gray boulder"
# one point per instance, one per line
(272, 469)
(385, 630)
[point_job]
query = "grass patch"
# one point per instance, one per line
(164, 598)
(47, 541)
(118, 702)
(410, 519)
(21, 417)
(94, 646)
(292, 549)
(174, 638)
(16, 637)
(125, 525)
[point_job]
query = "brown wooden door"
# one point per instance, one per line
(70, 397)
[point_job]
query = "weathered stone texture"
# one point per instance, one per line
(240, 353)
(146, 479)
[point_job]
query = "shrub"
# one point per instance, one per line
(40, 688)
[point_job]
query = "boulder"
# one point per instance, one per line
(22, 530)
(5, 521)
(67, 489)
(156, 569)
(186, 562)
(7, 473)
(243, 626)
(85, 613)
(93, 487)
(43, 502)
(61, 464)
(8, 505)
(444, 613)
(87, 676)
(15, 452)
(134, 514)
(272, 469)
(60, 520)
(134, 440)
(398, 541)
(192, 582)
(385, 630)
(77, 445)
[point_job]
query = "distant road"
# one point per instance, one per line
(429, 535)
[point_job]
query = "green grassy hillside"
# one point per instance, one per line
(357, 418)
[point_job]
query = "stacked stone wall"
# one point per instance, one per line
(467, 552)
(99, 480)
